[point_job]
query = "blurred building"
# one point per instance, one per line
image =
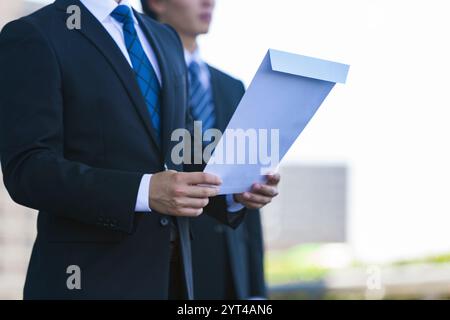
(17, 233)
(311, 207)
(17, 224)
(12, 9)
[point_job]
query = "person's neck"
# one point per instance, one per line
(189, 43)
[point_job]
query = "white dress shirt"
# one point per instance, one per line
(101, 10)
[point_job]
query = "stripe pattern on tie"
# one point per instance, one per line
(201, 98)
(143, 69)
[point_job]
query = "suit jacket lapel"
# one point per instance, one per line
(92, 29)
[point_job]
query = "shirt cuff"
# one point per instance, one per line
(232, 205)
(142, 203)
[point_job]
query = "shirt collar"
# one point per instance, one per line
(101, 9)
(193, 56)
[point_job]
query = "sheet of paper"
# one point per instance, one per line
(282, 98)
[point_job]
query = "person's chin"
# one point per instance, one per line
(202, 30)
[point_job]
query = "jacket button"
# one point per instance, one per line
(164, 222)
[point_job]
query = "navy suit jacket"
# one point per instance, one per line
(227, 263)
(75, 140)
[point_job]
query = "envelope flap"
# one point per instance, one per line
(308, 67)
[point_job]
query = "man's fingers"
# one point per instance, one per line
(273, 179)
(182, 194)
(252, 205)
(256, 198)
(189, 212)
(196, 203)
(265, 190)
(201, 192)
(201, 178)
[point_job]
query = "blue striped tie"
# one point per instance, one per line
(145, 74)
(201, 99)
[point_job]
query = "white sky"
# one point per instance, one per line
(389, 123)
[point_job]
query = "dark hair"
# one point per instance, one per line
(147, 10)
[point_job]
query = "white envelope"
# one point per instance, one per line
(282, 98)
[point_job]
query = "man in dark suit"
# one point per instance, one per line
(86, 116)
(227, 263)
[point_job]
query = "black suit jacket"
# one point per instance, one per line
(227, 263)
(75, 139)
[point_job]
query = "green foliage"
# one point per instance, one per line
(443, 258)
(293, 265)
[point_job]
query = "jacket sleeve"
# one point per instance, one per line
(35, 172)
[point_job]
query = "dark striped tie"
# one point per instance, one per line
(201, 99)
(145, 74)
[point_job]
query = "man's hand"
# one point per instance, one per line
(260, 194)
(179, 194)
